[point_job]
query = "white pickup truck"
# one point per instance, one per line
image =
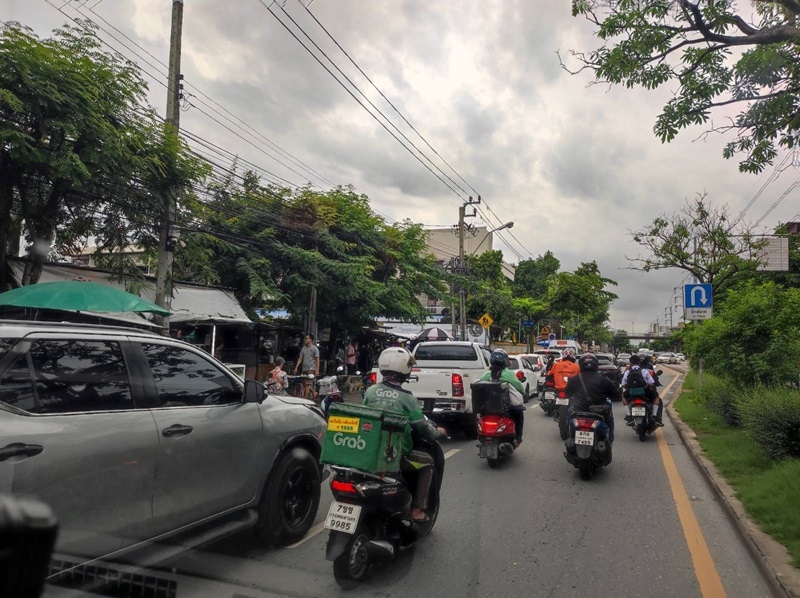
(441, 381)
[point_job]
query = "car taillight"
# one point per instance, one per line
(520, 375)
(345, 487)
(458, 385)
(373, 377)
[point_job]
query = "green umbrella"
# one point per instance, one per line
(76, 295)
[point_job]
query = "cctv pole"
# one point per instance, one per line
(166, 233)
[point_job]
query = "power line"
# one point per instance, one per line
(235, 120)
(275, 16)
(778, 201)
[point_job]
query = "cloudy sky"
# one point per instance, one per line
(576, 167)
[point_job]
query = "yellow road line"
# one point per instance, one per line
(704, 568)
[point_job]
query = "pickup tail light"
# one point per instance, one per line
(458, 385)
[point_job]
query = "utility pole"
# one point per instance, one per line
(462, 293)
(167, 236)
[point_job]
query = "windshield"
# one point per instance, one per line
(445, 353)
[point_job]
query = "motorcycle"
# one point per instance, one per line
(560, 415)
(497, 432)
(642, 413)
(587, 447)
(547, 400)
(370, 518)
(328, 392)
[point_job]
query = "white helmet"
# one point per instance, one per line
(396, 360)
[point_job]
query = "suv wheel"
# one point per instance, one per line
(290, 503)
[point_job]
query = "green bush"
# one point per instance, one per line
(723, 398)
(771, 417)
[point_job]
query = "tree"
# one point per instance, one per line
(531, 276)
(753, 338)
(580, 302)
(704, 241)
(714, 56)
(72, 137)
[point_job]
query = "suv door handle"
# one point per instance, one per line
(176, 430)
(18, 449)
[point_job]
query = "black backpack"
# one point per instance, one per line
(635, 383)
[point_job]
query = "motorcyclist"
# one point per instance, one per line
(650, 390)
(498, 364)
(564, 369)
(590, 387)
(395, 365)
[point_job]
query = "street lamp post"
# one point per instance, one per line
(462, 295)
(562, 331)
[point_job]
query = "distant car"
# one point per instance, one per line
(680, 357)
(667, 357)
(623, 359)
(143, 444)
(608, 368)
(522, 368)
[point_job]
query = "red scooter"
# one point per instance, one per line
(497, 432)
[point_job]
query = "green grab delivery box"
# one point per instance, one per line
(365, 438)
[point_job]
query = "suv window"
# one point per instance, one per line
(185, 378)
(445, 353)
(66, 376)
(513, 363)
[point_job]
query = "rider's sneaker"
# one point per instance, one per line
(659, 423)
(628, 418)
(630, 423)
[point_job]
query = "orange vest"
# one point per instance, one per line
(562, 369)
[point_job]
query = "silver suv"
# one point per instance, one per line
(134, 438)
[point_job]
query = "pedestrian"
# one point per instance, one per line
(308, 364)
(278, 381)
(350, 359)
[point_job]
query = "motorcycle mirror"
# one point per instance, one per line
(659, 372)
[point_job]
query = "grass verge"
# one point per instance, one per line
(769, 490)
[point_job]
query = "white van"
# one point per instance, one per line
(561, 344)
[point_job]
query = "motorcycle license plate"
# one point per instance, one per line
(487, 451)
(549, 396)
(638, 411)
(562, 401)
(582, 437)
(342, 517)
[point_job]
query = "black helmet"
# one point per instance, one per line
(499, 359)
(588, 363)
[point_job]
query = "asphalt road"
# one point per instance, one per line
(528, 528)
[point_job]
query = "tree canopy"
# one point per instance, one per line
(80, 153)
(713, 53)
(704, 241)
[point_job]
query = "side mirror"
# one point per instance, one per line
(254, 392)
(659, 372)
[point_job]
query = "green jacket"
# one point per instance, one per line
(399, 400)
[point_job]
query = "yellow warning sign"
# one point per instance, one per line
(343, 424)
(485, 320)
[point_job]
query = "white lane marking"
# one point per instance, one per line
(317, 529)
(451, 452)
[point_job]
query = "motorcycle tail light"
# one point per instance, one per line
(458, 385)
(562, 394)
(638, 403)
(585, 424)
(489, 427)
(373, 377)
(501, 428)
(343, 487)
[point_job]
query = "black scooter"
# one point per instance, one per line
(370, 518)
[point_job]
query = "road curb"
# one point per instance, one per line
(771, 556)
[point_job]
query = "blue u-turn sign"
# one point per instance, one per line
(697, 295)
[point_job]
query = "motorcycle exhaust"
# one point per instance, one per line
(380, 550)
(505, 448)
